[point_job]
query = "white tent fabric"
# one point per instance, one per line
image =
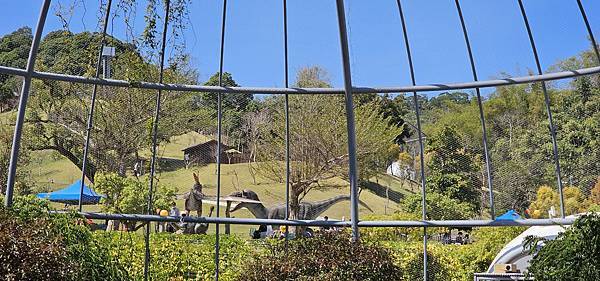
(513, 251)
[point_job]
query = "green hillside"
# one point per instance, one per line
(51, 171)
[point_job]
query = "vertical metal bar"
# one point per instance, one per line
(90, 119)
(352, 173)
(420, 134)
(589, 30)
(548, 109)
(219, 132)
(488, 168)
(16, 144)
(287, 119)
(155, 138)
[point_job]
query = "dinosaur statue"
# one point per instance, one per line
(193, 198)
(193, 228)
(201, 228)
(307, 210)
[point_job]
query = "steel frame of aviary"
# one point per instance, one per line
(348, 91)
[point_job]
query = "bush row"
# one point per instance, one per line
(176, 257)
(35, 245)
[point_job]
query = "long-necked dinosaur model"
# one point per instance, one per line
(307, 210)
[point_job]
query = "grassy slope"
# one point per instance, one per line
(54, 172)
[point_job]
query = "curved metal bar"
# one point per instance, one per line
(589, 30)
(16, 143)
(420, 135)
(90, 119)
(279, 91)
(155, 137)
(287, 118)
(219, 132)
(488, 168)
(548, 109)
(254, 221)
(349, 104)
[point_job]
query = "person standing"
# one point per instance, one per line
(173, 212)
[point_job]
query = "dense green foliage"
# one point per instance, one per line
(573, 255)
(439, 207)
(452, 167)
(80, 254)
(176, 257)
(130, 195)
(450, 262)
(23, 184)
(35, 245)
(14, 48)
(325, 257)
(57, 111)
(320, 150)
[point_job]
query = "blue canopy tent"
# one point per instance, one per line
(70, 195)
(509, 215)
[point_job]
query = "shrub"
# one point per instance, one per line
(324, 257)
(35, 245)
(451, 262)
(409, 257)
(392, 233)
(439, 207)
(176, 257)
(546, 198)
(31, 251)
(573, 255)
(130, 196)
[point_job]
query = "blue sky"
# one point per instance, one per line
(254, 41)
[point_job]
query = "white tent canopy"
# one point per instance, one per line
(514, 253)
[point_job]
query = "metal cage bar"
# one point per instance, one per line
(155, 138)
(349, 104)
(398, 223)
(287, 117)
(548, 109)
(488, 168)
(589, 30)
(28, 75)
(280, 91)
(90, 120)
(420, 135)
(219, 133)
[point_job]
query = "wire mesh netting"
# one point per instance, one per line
(152, 141)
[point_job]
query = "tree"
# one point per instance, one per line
(452, 168)
(571, 256)
(446, 99)
(130, 196)
(22, 185)
(439, 207)
(57, 111)
(595, 193)
(547, 198)
(14, 50)
(234, 101)
(318, 139)
(234, 107)
(577, 121)
(395, 109)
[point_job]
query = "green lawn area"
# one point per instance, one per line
(51, 171)
(173, 148)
